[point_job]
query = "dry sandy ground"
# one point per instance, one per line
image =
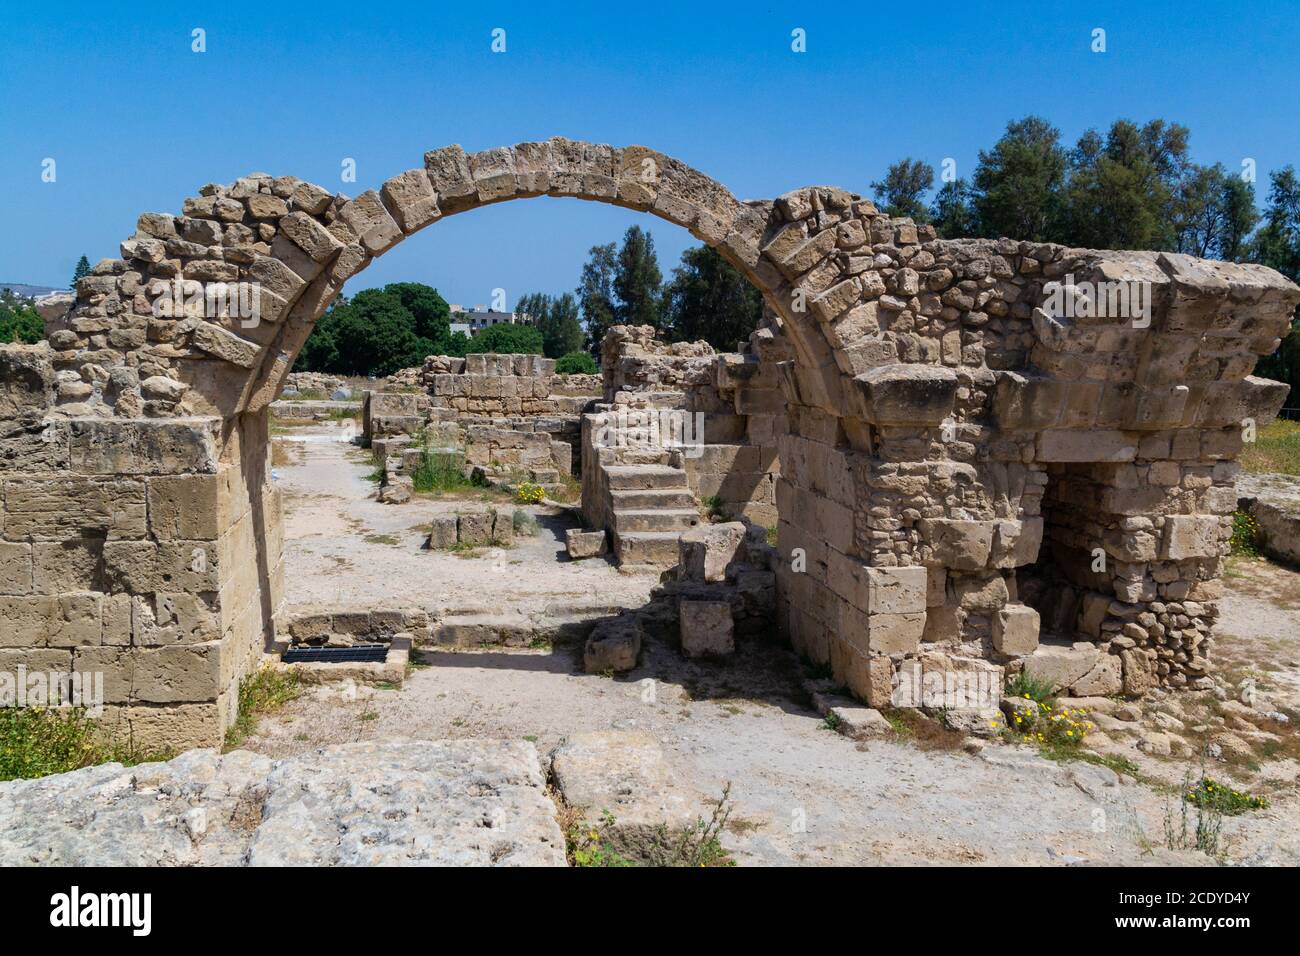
(802, 794)
(346, 549)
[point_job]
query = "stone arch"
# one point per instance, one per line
(934, 389)
(299, 244)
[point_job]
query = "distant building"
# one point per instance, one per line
(28, 291)
(480, 317)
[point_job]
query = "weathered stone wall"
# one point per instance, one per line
(948, 402)
(512, 411)
(134, 549)
(737, 395)
(319, 382)
(1127, 428)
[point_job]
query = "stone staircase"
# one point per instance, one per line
(650, 505)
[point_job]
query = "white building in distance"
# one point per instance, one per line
(480, 317)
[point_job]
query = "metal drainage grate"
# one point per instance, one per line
(357, 653)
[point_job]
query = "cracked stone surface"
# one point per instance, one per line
(374, 803)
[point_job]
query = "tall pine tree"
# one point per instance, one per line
(1017, 184)
(596, 294)
(637, 280)
(80, 272)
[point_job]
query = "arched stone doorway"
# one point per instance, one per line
(934, 385)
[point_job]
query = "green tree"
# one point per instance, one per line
(430, 310)
(458, 344)
(900, 192)
(507, 338)
(1277, 245)
(19, 321)
(1017, 184)
(563, 332)
(80, 272)
(557, 319)
(637, 280)
(379, 331)
(576, 363)
(1215, 213)
(708, 299)
(1121, 192)
(952, 213)
(320, 353)
(596, 293)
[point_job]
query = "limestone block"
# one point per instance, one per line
(69, 565)
(908, 394)
(1092, 612)
(15, 568)
(411, 199)
(494, 173)
(869, 677)
(67, 620)
(181, 674)
(959, 544)
(1139, 671)
(1021, 403)
(943, 624)
(954, 682)
(442, 532)
(34, 659)
(614, 645)
(1060, 665)
(1015, 630)
(448, 171)
(584, 544)
(1130, 546)
(1190, 536)
(310, 236)
(503, 528)
(186, 507)
(227, 346)
(475, 529)
(893, 590)
(936, 586)
(371, 222)
(1104, 680)
(144, 447)
(33, 446)
(163, 619)
(984, 592)
(144, 566)
(706, 627)
(880, 633)
(1086, 445)
(706, 551)
(1016, 543)
(27, 380)
(55, 509)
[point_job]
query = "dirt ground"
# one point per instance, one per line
(345, 549)
(802, 793)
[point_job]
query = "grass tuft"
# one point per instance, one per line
(1275, 449)
(39, 741)
(264, 691)
(1029, 687)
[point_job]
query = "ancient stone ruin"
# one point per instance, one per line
(501, 413)
(991, 454)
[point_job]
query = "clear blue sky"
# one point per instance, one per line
(136, 121)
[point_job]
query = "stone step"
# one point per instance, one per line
(641, 477)
(653, 498)
(670, 399)
(474, 630)
(655, 519)
(649, 549)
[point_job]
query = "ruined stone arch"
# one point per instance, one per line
(938, 396)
